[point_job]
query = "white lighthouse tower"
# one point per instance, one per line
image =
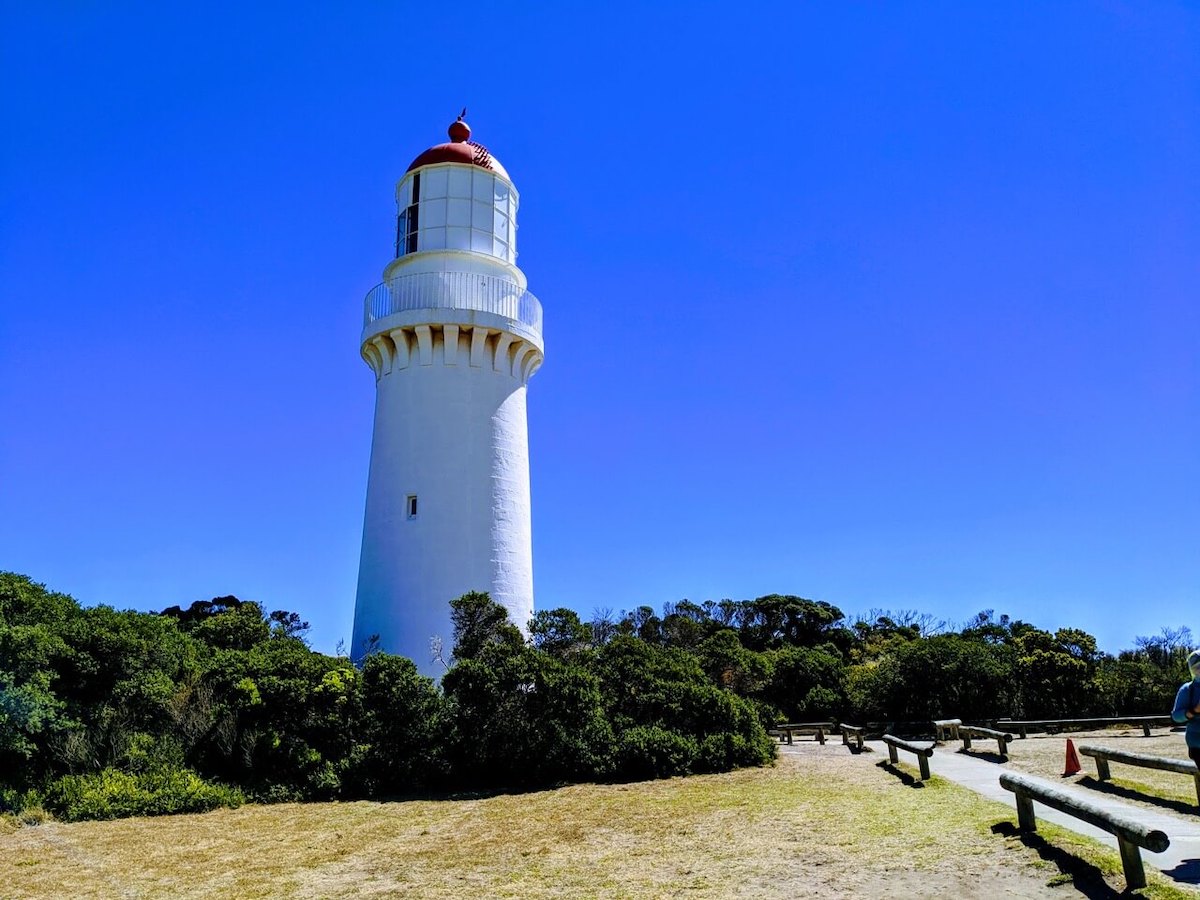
(453, 337)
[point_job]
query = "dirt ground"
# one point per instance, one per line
(824, 822)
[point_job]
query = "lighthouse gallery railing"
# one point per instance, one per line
(453, 290)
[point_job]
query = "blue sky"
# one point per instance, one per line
(886, 306)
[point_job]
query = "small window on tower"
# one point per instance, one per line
(410, 241)
(410, 238)
(412, 506)
(401, 233)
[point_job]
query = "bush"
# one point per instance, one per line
(111, 794)
(653, 752)
(33, 815)
(22, 807)
(726, 750)
(396, 727)
(718, 752)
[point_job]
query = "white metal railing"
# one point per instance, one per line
(453, 290)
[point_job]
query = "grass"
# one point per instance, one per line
(822, 822)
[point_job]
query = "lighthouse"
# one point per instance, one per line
(452, 336)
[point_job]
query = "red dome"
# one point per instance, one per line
(460, 150)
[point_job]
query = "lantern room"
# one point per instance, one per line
(456, 196)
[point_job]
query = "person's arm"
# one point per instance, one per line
(1181, 713)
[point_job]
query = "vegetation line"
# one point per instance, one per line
(107, 713)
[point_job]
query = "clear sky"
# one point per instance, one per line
(885, 305)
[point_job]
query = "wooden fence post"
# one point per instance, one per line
(1131, 862)
(1026, 820)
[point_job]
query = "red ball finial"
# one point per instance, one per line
(460, 131)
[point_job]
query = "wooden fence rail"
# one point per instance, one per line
(1105, 755)
(852, 733)
(922, 751)
(947, 729)
(1056, 725)
(785, 731)
(967, 732)
(1132, 836)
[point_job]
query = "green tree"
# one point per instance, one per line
(1056, 673)
(396, 749)
(778, 619)
(478, 621)
(937, 677)
(807, 682)
(517, 715)
(560, 633)
(730, 665)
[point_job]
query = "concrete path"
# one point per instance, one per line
(1181, 861)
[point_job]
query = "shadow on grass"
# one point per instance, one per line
(1085, 877)
(1116, 790)
(905, 778)
(985, 755)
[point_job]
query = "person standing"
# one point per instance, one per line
(1187, 707)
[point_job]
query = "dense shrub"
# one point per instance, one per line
(111, 794)
(653, 691)
(925, 679)
(654, 752)
(396, 747)
(725, 750)
(517, 716)
(807, 683)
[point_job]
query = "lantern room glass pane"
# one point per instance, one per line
(433, 185)
(433, 239)
(458, 238)
(433, 213)
(483, 185)
(481, 241)
(460, 182)
(481, 216)
(458, 212)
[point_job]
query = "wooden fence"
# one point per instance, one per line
(785, 732)
(1055, 725)
(1132, 836)
(1105, 755)
(922, 751)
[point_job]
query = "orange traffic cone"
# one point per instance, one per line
(1073, 767)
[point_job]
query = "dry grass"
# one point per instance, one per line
(823, 822)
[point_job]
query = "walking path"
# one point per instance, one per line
(1181, 861)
